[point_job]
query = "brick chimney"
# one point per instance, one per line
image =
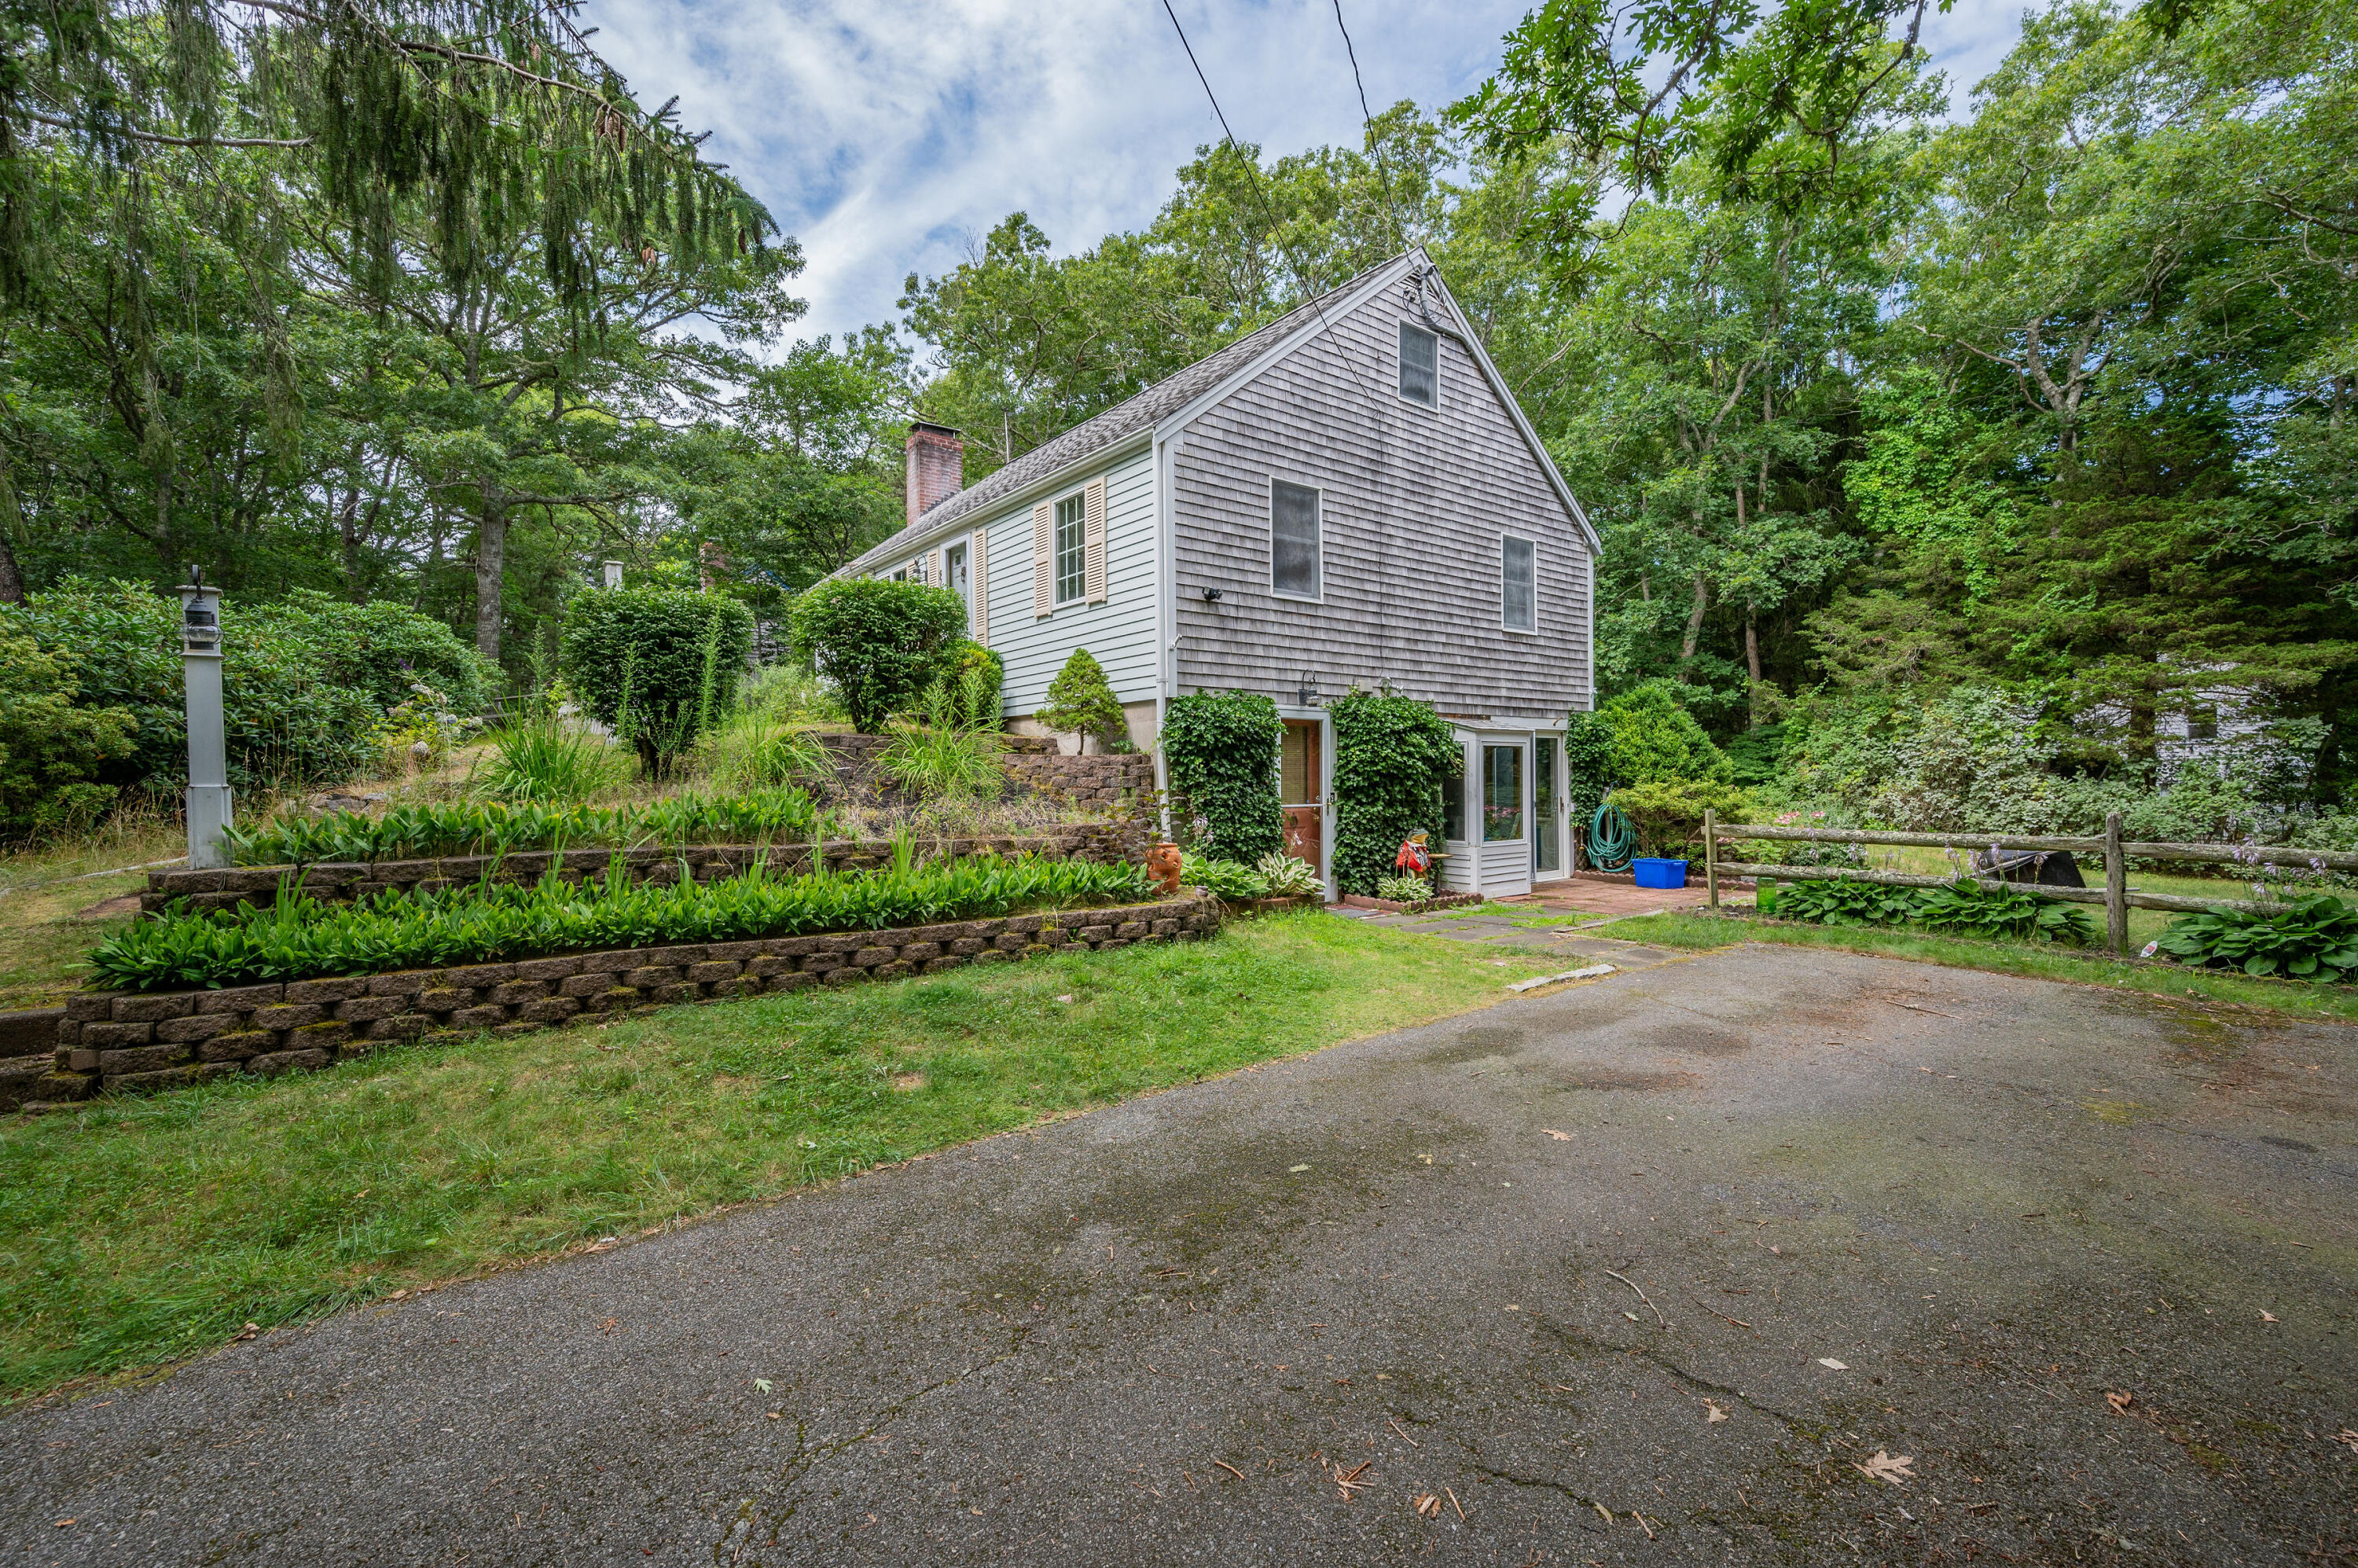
(936, 466)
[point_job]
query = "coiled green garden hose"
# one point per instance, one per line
(1611, 839)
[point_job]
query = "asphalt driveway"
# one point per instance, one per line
(1655, 1269)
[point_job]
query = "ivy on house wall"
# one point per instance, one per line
(1220, 748)
(1391, 756)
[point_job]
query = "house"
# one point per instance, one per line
(1347, 497)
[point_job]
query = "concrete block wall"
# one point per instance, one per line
(130, 1040)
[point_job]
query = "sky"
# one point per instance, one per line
(886, 136)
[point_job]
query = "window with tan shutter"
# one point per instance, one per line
(1072, 548)
(1043, 561)
(981, 601)
(1093, 547)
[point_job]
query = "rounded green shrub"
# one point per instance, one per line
(282, 724)
(51, 751)
(1392, 756)
(881, 643)
(1654, 739)
(1220, 752)
(659, 665)
(1667, 812)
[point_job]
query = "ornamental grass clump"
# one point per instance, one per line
(1966, 907)
(419, 830)
(300, 937)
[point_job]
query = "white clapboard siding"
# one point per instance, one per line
(1413, 503)
(1118, 633)
(979, 585)
(1093, 542)
(1043, 559)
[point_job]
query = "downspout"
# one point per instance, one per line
(1167, 614)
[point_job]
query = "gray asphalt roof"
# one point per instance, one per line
(1124, 419)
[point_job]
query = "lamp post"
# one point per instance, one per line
(200, 664)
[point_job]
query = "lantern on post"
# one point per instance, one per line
(200, 664)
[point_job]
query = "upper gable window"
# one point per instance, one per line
(1518, 568)
(1293, 544)
(1420, 367)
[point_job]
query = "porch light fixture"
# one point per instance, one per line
(1211, 596)
(1308, 695)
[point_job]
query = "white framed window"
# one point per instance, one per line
(1519, 596)
(1420, 367)
(953, 576)
(1072, 548)
(1295, 570)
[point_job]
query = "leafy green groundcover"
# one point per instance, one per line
(2306, 939)
(410, 832)
(1966, 907)
(301, 939)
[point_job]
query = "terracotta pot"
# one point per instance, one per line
(1163, 868)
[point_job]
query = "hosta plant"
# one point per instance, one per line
(2306, 939)
(300, 938)
(1287, 876)
(1966, 907)
(412, 831)
(1230, 880)
(1403, 889)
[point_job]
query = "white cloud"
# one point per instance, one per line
(883, 134)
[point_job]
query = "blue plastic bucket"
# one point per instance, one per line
(1657, 873)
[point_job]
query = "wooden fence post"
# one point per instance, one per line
(2117, 888)
(1710, 855)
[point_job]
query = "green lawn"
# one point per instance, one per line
(1695, 928)
(145, 1230)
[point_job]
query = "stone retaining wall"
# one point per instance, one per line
(127, 1040)
(1107, 784)
(338, 881)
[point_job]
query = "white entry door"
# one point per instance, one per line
(1502, 792)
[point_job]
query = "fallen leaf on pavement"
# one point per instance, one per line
(2269, 1317)
(1882, 1466)
(1832, 1364)
(1711, 1413)
(2121, 1400)
(1295, 1170)
(249, 1331)
(2348, 1436)
(1428, 1506)
(762, 1384)
(1559, 1137)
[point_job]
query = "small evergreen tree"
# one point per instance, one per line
(1081, 700)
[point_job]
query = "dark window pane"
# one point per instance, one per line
(1453, 802)
(1293, 539)
(1419, 372)
(1546, 855)
(1520, 570)
(1502, 794)
(1072, 535)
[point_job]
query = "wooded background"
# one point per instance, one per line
(2045, 403)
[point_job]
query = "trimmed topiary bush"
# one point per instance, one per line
(658, 665)
(1220, 752)
(881, 643)
(1393, 755)
(1081, 701)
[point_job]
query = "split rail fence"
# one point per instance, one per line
(2117, 897)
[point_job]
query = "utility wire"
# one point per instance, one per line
(1367, 119)
(1269, 212)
